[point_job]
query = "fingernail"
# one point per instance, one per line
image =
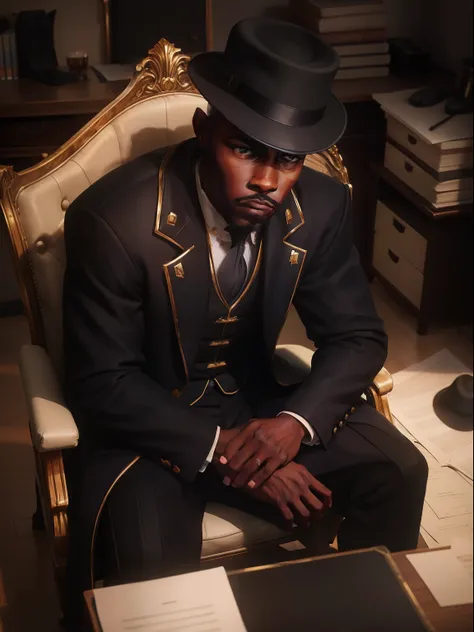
(226, 481)
(251, 484)
(223, 460)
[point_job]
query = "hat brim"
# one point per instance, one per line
(207, 72)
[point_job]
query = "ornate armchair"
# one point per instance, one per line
(155, 110)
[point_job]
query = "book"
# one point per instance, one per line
(114, 72)
(355, 37)
(362, 73)
(3, 70)
(377, 48)
(347, 592)
(437, 192)
(14, 55)
(333, 8)
(353, 23)
(7, 55)
(441, 158)
(360, 61)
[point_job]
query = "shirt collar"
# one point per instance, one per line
(215, 223)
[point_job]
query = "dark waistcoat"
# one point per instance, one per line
(229, 340)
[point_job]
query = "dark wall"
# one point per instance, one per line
(138, 24)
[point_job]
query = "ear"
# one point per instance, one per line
(201, 126)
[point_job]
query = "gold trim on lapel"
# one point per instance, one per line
(300, 213)
(285, 270)
(166, 267)
(171, 222)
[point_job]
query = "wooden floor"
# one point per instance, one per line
(27, 593)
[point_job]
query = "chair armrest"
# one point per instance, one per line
(383, 383)
(52, 425)
(292, 363)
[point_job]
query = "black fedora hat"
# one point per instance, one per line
(453, 405)
(273, 82)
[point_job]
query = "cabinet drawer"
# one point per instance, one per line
(399, 272)
(431, 155)
(392, 232)
(431, 189)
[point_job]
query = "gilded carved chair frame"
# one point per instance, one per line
(162, 72)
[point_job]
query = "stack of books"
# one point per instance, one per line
(8, 56)
(357, 29)
(434, 165)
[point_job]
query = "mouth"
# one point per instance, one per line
(255, 213)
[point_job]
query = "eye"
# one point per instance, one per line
(240, 150)
(289, 160)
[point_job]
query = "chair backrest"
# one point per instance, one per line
(154, 111)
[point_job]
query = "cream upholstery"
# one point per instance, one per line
(156, 122)
(52, 425)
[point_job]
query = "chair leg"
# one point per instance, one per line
(37, 520)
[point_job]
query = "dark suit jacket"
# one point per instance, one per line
(132, 320)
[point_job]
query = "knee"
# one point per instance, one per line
(413, 467)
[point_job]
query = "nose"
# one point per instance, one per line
(264, 177)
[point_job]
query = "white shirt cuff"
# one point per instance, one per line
(312, 438)
(212, 450)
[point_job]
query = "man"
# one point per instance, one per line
(182, 266)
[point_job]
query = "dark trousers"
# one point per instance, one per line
(151, 524)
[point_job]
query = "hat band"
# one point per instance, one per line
(278, 112)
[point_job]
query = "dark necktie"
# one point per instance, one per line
(232, 272)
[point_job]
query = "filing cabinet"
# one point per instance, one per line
(424, 258)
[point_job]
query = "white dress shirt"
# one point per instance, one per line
(221, 243)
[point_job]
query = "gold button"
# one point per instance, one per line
(341, 423)
(216, 365)
(41, 246)
(176, 469)
(353, 409)
(165, 462)
(65, 204)
(176, 392)
(219, 343)
(335, 430)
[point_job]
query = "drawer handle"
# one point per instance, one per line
(412, 140)
(409, 167)
(395, 258)
(399, 226)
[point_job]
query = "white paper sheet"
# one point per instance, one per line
(197, 602)
(445, 576)
(412, 404)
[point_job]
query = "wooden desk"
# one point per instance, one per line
(450, 619)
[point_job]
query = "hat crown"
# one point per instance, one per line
(285, 62)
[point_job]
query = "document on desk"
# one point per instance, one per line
(412, 404)
(201, 602)
(445, 575)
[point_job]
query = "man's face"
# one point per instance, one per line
(245, 180)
